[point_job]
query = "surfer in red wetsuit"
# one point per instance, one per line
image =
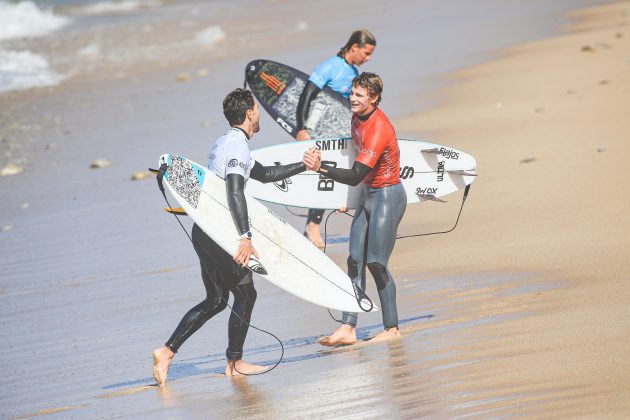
(382, 204)
(221, 272)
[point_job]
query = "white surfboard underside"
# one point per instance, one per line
(292, 262)
(428, 171)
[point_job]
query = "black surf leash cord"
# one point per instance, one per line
(398, 237)
(160, 175)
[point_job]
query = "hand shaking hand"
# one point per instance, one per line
(312, 159)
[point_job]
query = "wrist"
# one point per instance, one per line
(247, 235)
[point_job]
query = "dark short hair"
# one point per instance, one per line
(362, 37)
(236, 104)
(372, 82)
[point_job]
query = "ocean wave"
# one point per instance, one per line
(210, 35)
(26, 20)
(114, 7)
(24, 69)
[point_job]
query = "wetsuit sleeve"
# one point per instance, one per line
(235, 189)
(266, 174)
(374, 143)
(346, 176)
(304, 104)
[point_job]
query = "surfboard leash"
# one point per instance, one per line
(159, 176)
(446, 231)
(461, 208)
(398, 237)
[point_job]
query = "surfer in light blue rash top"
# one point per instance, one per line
(221, 272)
(337, 73)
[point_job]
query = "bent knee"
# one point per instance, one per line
(246, 294)
(353, 268)
(213, 305)
(379, 272)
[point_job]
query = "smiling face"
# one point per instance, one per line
(360, 100)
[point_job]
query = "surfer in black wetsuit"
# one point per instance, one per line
(337, 73)
(222, 273)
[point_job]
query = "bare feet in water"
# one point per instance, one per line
(238, 367)
(346, 334)
(314, 235)
(386, 335)
(161, 361)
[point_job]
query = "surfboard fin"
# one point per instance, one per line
(462, 172)
(154, 171)
(177, 210)
(431, 197)
(364, 301)
(256, 266)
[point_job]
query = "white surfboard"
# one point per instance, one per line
(428, 171)
(287, 258)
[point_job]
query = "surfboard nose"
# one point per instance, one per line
(252, 68)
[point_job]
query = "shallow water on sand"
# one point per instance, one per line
(424, 373)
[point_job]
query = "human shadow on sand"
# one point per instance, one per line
(197, 366)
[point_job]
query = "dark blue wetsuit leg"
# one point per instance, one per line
(220, 275)
(315, 216)
(387, 206)
(356, 259)
(372, 240)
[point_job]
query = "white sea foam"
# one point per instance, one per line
(210, 35)
(91, 51)
(23, 69)
(25, 19)
(113, 7)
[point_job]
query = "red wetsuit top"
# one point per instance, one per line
(377, 147)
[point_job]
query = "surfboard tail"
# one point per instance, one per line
(462, 172)
(256, 266)
(431, 197)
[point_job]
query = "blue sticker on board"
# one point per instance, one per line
(199, 172)
(169, 162)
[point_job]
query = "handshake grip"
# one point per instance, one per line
(312, 159)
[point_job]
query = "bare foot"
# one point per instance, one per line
(346, 334)
(161, 361)
(239, 367)
(386, 335)
(314, 235)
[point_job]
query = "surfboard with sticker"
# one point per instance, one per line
(287, 259)
(428, 171)
(277, 87)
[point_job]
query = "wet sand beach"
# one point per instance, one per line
(552, 204)
(521, 311)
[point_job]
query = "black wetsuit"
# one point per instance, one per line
(230, 159)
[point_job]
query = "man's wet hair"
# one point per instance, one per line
(236, 104)
(362, 37)
(372, 83)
